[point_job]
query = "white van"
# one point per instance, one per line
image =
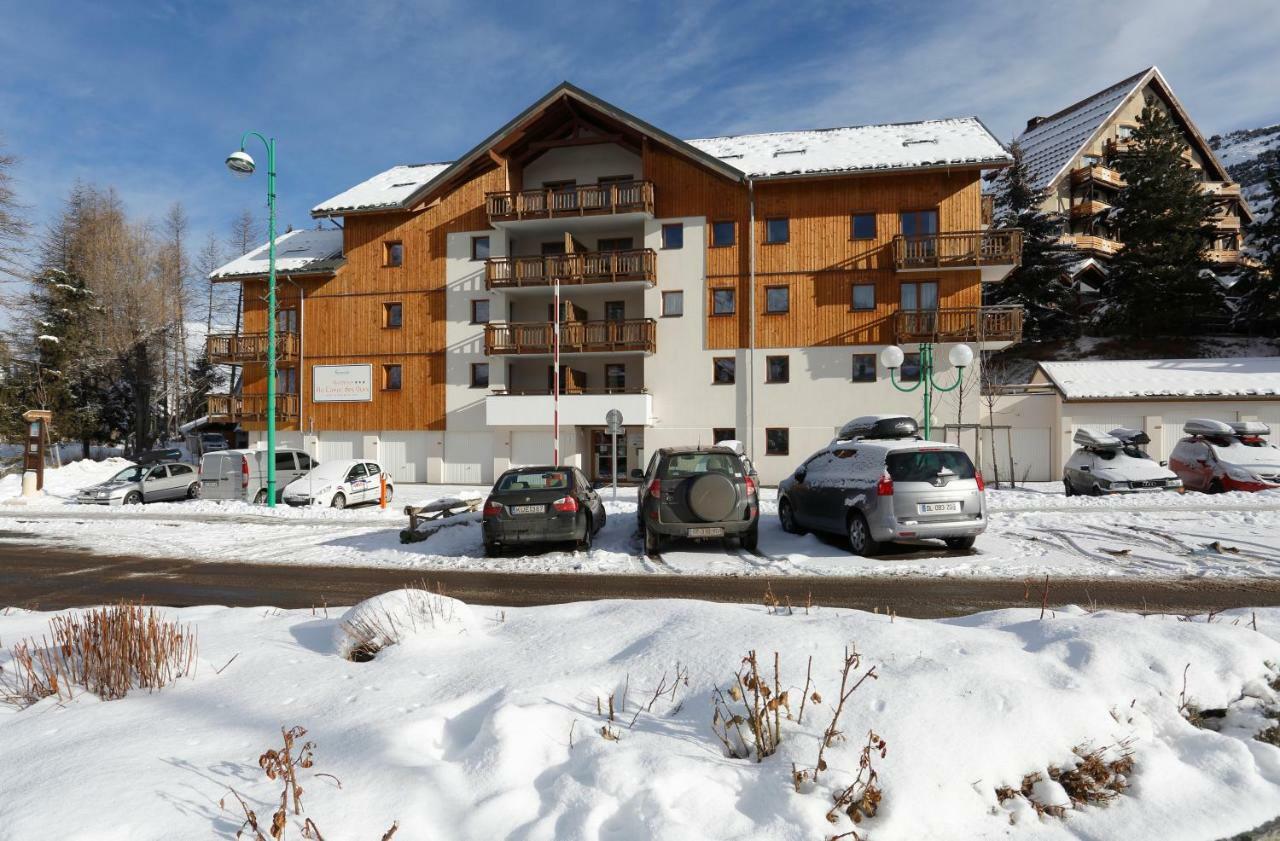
(242, 474)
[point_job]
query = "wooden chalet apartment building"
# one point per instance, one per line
(1072, 155)
(725, 287)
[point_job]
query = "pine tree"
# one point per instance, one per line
(1038, 284)
(1159, 283)
(204, 377)
(63, 352)
(1258, 310)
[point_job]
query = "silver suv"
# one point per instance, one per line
(878, 482)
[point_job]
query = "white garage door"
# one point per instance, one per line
(1031, 454)
(404, 455)
(530, 448)
(335, 446)
(468, 458)
(1174, 421)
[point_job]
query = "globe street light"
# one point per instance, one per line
(242, 165)
(960, 357)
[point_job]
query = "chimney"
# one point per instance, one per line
(1035, 121)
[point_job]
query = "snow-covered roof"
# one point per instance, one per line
(952, 142)
(386, 189)
(1242, 376)
(296, 251)
(1049, 146)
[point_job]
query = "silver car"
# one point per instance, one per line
(137, 484)
(878, 483)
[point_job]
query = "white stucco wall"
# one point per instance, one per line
(582, 164)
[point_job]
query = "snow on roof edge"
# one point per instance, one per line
(1136, 379)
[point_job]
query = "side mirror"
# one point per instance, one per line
(1084, 470)
(800, 474)
(637, 473)
(1164, 464)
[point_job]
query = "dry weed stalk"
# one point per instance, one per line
(106, 651)
(852, 663)
(663, 689)
(861, 798)
(373, 630)
(762, 705)
(1092, 780)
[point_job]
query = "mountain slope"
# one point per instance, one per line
(1243, 152)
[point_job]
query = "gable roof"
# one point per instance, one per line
(297, 252)
(929, 143)
(1244, 376)
(1049, 146)
(963, 141)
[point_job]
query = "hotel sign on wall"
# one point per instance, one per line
(341, 383)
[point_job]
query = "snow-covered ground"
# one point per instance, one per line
(1034, 530)
(490, 726)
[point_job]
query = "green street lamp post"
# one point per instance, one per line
(242, 165)
(960, 357)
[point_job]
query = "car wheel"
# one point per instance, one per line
(1066, 485)
(584, 542)
(751, 538)
(860, 540)
(1215, 487)
(960, 542)
(389, 490)
(787, 515)
(193, 490)
(260, 498)
(652, 541)
(133, 498)
(1095, 491)
(339, 501)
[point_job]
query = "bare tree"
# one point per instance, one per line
(13, 221)
(245, 233)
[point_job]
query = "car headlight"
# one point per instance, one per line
(324, 490)
(101, 494)
(1173, 483)
(1241, 475)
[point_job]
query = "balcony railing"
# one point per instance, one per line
(579, 268)
(1100, 246)
(573, 200)
(1221, 189)
(637, 334)
(958, 250)
(233, 408)
(1091, 207)
(234, 348)
(966, 324)
(1098, 174)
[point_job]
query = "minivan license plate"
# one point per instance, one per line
(710, 532)
(528, 509)
(939, 508)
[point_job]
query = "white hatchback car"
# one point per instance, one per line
(339, 484)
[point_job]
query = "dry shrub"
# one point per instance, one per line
(861, 798)
(762, 705)
(107, 651)
(1093, 780)
(376, 628)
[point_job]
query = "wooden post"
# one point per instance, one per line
(33, 453)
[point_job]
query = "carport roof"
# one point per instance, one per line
(1137, 379)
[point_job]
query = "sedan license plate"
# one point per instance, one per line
(707, 532)
(939, 507)
(528, 509)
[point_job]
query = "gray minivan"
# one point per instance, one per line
(878, 482)
(242, 474)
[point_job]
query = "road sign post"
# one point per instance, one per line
(613, 420)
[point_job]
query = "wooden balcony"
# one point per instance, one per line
(1098, 246)
(587, 267)
(536, 337)
(1097, 174)
(1221, 189)
(958, 250)
(1228, 222)
(237, 348)
(576, 200)
(234, 408)
(965, 324)
(1085, 209)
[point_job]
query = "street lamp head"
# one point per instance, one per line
(960, 356)
(240, 163)
(891, 357)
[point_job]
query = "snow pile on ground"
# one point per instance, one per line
(62, 482)
(396, 617)
(507, 733)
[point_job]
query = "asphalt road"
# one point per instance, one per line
(50, 578)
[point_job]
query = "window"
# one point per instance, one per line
(910, 370)
(777, 441)
(1125, 132)
(305, 462)
(722, 234)
(864, 296)
(393, 314)
(919, 223)
(480, 311)
(615, 310)
(287, 320)
(357, 472)
(176, 470)
(864, 226)
(479, 248)
(284, 461)
(286, 381)
(724, 371)
(391, 377)
(722, 301)
(673, 235)
(554, 247)
(723, 433)
(777, 369)
(777, 299)
(393, 254)
(615, 376)
(480, 375)
(864, 367)
(672, 304)
(777, 230)
(919, 296)
(615, 244)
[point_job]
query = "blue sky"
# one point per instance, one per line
(150, 97)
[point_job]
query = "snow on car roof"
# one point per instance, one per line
(1241, 376)
(296, 251)
(951, 142)
(386, 189)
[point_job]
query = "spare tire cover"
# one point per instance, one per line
(712, 497)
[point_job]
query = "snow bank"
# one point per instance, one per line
(399, 616)
(498, 734)
(64, 481)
